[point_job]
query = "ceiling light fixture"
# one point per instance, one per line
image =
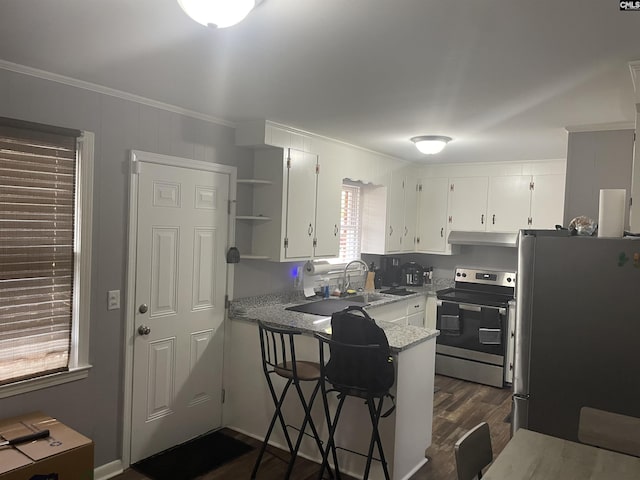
(430, 144)
(217, 13)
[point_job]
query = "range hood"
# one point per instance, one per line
(493, 239)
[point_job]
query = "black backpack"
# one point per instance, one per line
(367, 369)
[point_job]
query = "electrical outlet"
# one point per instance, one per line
(113, 300)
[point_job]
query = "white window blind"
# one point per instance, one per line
(38, 169)
(350, 223)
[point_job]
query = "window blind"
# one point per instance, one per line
(37, 211)
(350, 223)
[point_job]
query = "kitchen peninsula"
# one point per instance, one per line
(406, 433)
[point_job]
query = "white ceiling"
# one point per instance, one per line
(502, 77)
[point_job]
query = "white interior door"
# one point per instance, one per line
(180, 285)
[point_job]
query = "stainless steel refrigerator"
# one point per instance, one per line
(577, 333)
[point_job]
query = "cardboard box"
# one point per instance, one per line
(64, 455)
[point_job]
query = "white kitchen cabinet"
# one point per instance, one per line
(467, 210)
(431, 312)
(432, 226)
(416, 311)
(327, 212)
(547, 200)
(261, 133)
(395, 213)
(395, 312)
(409, 235)
(301, 180)
(410, 311)
(525, 201)
(303, 208)
(389, 215)
(509, 203)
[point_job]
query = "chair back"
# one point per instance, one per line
(348, 379)
(612, 431)
(278, 350)
(473, 452)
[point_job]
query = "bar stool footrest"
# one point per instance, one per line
(358, 453)
(310, 435)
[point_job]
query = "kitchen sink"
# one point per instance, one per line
(328, 306)
(365, 297)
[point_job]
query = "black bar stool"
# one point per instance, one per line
(373, 399)
(279, 358)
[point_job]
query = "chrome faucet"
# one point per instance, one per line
(345, 282)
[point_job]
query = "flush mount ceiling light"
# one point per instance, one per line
(430, 144)
(218, 13)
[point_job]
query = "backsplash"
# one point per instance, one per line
(481, 257)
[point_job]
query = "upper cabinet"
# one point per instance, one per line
(509, 203)
(302, 208)
(547, 200)
(327, 210)
(492, 197)
(389, 215)
(292, 209)
(525, 201)
(261, 133)
(432, 225)
(468, 203)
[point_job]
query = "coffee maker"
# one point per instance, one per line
(411, 274)
(390, 268)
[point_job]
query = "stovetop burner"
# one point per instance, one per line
(480, 287)
(473, 297)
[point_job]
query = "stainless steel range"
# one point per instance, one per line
(475, 319)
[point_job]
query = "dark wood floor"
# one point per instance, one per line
(458, 406)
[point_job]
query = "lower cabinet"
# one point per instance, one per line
(404, 312)
(431, 312)
(395, 312)
(416, 311)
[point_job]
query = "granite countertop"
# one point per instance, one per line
(271, 309)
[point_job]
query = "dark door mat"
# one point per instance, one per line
(193, 458)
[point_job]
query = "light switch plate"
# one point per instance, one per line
(113, 300)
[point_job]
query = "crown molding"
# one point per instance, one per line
(599, 127)
(93, 87)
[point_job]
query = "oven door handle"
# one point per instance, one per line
(474, 308)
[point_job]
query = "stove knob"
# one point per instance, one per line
(457, 274)
(464, 274)
(508, 279)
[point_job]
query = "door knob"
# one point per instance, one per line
(144, 330)
(143, 308)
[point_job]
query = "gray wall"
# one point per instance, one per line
(93, 406)
(596, 160)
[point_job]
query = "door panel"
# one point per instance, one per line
(468, 203)
(395, 213)
(547, 201)
(327, 215)
(301, 203)
(410, 214)
(432, 219)
(182, 231)
(508, 204)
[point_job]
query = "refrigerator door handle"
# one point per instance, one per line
(520, 413)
